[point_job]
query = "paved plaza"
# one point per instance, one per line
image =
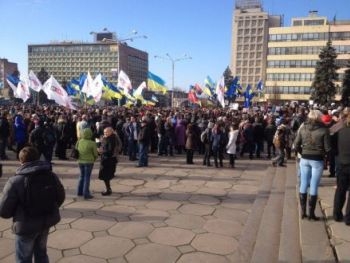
(174, 212)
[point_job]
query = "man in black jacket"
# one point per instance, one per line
(31, 230)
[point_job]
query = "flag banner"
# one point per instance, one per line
(23, 91)
(220, 89)
(33, 82)
(97, 87)
(54, 91)
(248, 96)
(155, 83)
(88, 85)
(260, 86)
(198, 89)
(232, 90)
(124, 82)
(138, 92)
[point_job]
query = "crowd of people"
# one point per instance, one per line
(318, 138)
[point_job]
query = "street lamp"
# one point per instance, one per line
(173, 61)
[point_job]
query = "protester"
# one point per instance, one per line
(144, 140)
(312, 142)
(231, 145)
(31, 230)
(190, 144)
(87, 156)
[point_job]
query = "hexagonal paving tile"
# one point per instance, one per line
(214, 243)
(116, 211)
(68, 238)
(131, 182)
(7, 247)
(154, 253)
(5, 224)
(185, 221)
(94, 223)
(163, 205)
(196, 209)
(69, 216)
(149, 215)
(223, 227)
(231, 214)
(83, 206)
(204, 199)
(131, 230)
(107, 247)
(202, 258)
(134, 201)
(171, 236)
(82, 259)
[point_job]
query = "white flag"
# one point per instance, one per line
(88, 85)
(23, 91)
(138, 91)
(124, 82)
(97, 85)
(54, 91)
(33, 82)
(220, 90)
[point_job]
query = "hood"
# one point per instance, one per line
(87, 134)
(33, 167)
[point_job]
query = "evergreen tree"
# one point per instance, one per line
(43, 76)
(323, 87)
(228, 76)
(345, 93)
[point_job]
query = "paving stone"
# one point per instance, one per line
(202, 258)
(5, 224)
(117, 260)
(223, 227)
(184, 188)
(204, 199)
(158, 184)
(82, 259)
(131, 182)
(185, 249)
(122, 189)
(61, 227)
(71, 252)
(83, 206)
(116, 211)
(192, 182)
(244, 205)
(214, 243)
(155, 253)
(149, 215)
(100, 233)
(94, 223)
(133, 201)
(107, 247)
(231, 214)
(163, 204)
(170, 195)
(340, 230)
(146, 191)
(54, 254)
(211, 191)
(131, 230)
(159, 224)
(141, 241)
(7, 247)
(221, 185)
(171, 236)
(68, 239)
(185, 221)
(196, 209)
(343, 252)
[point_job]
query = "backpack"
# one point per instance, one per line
(49, 137)
(40, 194)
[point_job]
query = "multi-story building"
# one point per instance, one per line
(249, 41)
(6, 68)
(294, 51)
(67, 60)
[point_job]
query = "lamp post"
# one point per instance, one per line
(173, 61)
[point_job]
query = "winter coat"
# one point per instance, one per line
(231, 146)
(11, 203)
(87, 147)
(190, 141)
(109, 157)
(343, 148)
(20, 130)
(180, 133)
(313, 140)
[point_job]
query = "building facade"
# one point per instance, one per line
(294, 51)
(67, 60)
(6, 68)
(249, 41)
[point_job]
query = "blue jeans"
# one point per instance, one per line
(28, 245)
(143, 154)
(310, 174)
(84, 179)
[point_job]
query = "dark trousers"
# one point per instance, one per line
(207, 154)
(270, 149)
(189, 156)
(343, 184)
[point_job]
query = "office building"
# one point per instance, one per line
(106, 55)
(294, 51)
(6, 68)
(249, 41)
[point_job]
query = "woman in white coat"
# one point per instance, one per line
(231, 145)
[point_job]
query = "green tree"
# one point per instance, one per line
(323, 87)
(345, 92)
(228, 76)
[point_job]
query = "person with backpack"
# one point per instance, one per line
(32, 198)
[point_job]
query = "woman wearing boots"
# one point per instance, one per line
(312, 142)
(110, 147)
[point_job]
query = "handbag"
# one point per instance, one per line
(75, 153)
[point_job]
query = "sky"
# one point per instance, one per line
(200, 29)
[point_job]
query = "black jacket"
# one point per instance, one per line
(11, 203)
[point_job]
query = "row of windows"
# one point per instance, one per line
(252, 23)
(341, 63)
(80, 55)
(309, 36)
(290, 76)
(244, 44)
(287, 90)
(250, 31)
(246, 63)
(70, 60)
(305, 50)
(82, 48)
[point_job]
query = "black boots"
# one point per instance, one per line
(107, 192)
(312, 206)
(303, 198)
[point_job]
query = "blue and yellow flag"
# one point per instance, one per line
(155, 83)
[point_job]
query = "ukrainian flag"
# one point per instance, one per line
(155, 83)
